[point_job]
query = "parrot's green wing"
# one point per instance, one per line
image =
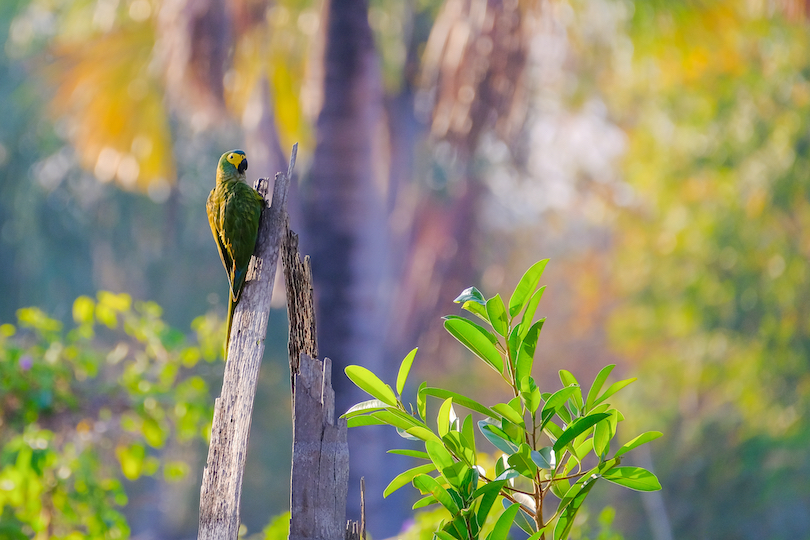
(214, 208)
(233, 211)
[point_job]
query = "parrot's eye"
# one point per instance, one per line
(230, 157)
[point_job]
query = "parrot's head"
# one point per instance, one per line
(232, 163)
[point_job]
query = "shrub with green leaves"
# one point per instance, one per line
(555, 445)
(82, 408)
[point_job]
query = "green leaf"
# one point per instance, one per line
(131, 459)
(459, 399)
(427, 484)
(504, 523)
(423, 502)
(554, 402)
(636, 478)
(358, 421)
(509, 413)
(583, 448)
(445, 417)
(540, 533)
(598, 381)
(460, 476)
(612, 389)
(526, 286)
(524, 521)
(423, 433)
(457, 444)
(530, 394)
(406, 477)
(544, 458)
(439, 455)
(522, 462)
(567, 378)
(571, 503)
(476, 309)
(468, 436)
(397, 418)
(603, 433)
(410, 453)
(442, 535)
(580, 426)
(497, 437)
(421, 401)
(476, 339)
(531, 309)
(470, 294)
(525, 352)
(496, 312)
(364, 407)
(489, 494)
(638, 441)
(371, 384)
(404, 369)
(508, 474)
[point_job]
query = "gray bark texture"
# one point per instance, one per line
(320, 458)
(221, 491)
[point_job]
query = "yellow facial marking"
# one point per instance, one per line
(235, 158)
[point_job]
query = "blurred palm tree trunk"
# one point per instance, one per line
(347, 232)
(472, 84)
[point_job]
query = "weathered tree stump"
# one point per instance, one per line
(221, 490)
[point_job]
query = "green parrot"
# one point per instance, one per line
(234, 209)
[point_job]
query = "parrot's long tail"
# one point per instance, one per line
(231, 308)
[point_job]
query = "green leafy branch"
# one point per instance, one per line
(545, 438)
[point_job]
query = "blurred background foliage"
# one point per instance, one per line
(658, 152)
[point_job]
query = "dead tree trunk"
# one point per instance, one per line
(320, 458)
(221, 490)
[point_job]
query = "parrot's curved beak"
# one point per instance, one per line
(242, 166)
